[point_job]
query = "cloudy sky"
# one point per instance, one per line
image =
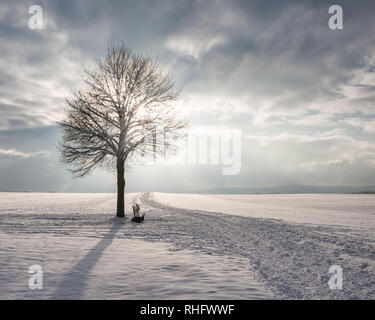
(302, 95)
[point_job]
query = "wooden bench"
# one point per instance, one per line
(137, 216)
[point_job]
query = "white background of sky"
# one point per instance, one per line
(302, 94)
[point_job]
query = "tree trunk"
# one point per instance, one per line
(120, 189)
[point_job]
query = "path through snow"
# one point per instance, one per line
(177, 253)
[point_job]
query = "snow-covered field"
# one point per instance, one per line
(348, 210)
(190, 246)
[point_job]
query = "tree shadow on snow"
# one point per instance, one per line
(75, 281)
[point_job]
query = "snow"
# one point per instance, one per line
(349, 210)
(85, 253)
(189, 247)
(114, 268)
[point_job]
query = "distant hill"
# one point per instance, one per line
(292, 189)
(364, 192)
(287, 189)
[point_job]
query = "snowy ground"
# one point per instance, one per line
(348, 210)
(258, 247)
(86, 254)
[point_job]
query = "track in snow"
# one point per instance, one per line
(254, 258)
(291, 259)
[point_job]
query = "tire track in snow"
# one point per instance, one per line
(290, 259)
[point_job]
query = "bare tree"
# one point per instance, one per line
(125, 100)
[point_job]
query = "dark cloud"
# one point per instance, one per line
(270, 68)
